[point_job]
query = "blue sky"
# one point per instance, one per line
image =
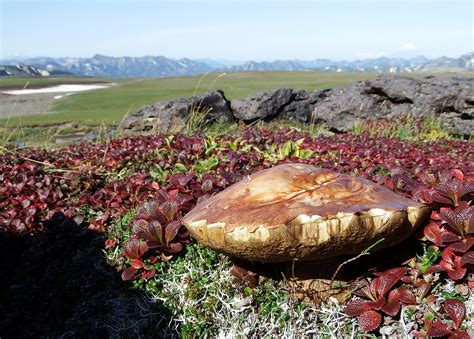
(237, 30)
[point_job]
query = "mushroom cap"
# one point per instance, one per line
(297, 211)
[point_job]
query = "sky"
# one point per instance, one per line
(237, 30)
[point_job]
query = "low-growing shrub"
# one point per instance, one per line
(137, 189)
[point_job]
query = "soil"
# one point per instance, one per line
(18, 105)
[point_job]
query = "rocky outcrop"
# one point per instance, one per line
(449, 98)
(302, 106)
(282, 103)
(169, 116)
(262, 105)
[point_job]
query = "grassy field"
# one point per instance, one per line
(108, 106)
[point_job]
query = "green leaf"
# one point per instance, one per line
(246, 148)
(248, 291)
(159, 174)
(286, 149)
(180, 168)
(305, 153)
(232, 146)
(429, 316)
(210, 144)
(299, 142)
(206, 165)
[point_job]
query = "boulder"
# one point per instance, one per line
(301, 212)
(262, 105)
(302, 107)
(389, 96)
(170, 116)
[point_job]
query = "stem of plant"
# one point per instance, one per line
(361, 254)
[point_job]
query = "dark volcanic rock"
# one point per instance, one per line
(262, 105)
(449, 98)
(169, 116)
(303, 105)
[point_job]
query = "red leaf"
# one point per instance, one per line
(424, 289)
(438, 329)
(391, 308)
(370, 320)
(136, 263)
(453, 190)
(456, 311)
(174, 247)
(393, 296)
(468, 258)
(374, 287)
(149, 211)
(418, 334)
(129, 273)
(25, 203)
(153, 232)
(448, 255)
(448, 236)
(396, 272)
(457, 274)
(461, 246)
(148, 274)
(109, 243)
(406, 295)
(134, 248)
(389, 279)
(171, 230)
(356, 307)
(470, 284)
(459, 335)
(432, 232)
(457, 174)
(169, 209)
(139, 227)
(460, 219)
(376, 305)
(435, 269)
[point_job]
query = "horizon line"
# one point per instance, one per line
(235, 60)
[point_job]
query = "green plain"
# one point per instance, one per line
(108, 106)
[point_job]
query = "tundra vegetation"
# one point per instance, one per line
(93, 244)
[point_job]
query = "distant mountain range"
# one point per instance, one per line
(160, 66)
(106, 66)
(31, 71)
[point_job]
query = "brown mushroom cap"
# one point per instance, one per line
(297, 211)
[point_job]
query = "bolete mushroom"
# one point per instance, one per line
(297, 211)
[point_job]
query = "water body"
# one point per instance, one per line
(58, 89)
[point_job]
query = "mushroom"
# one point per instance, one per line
(301, 212)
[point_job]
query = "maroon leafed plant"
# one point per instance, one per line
(368, 310)
(456, 233)
(450, 192)
(156, 226)
(456, 311)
